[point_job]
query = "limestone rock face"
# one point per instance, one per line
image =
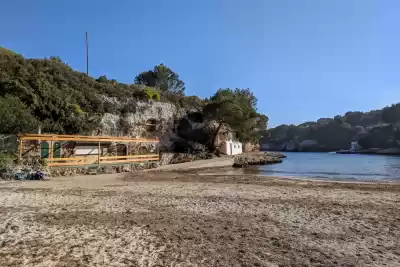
(178, 129)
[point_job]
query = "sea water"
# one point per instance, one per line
(334, 167)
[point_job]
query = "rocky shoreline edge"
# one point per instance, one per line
(172, 159)
(257, 158)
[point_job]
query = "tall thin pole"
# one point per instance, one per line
(87, 55)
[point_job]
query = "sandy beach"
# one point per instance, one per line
(197, 218)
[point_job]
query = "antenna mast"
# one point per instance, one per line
(87, 55)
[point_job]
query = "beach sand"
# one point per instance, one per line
(197, 218)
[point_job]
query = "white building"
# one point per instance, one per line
(231, 147)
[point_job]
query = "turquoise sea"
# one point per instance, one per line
(334, 167)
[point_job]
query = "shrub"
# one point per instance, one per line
(77, 109)
(5, 160)
(151, 94)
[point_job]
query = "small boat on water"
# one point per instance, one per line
(362, 151)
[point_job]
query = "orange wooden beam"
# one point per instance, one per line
(55, 164)
(128, 157)
(64, 137)
(131, 160)
(84, 139)
(68, 159)
(66, 164)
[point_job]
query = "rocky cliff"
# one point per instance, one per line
(179, 129)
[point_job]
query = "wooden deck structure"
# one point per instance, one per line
(85, 160)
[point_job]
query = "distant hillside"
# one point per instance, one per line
(374, 129)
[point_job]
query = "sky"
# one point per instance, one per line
(303, 59)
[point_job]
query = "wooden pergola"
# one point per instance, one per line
(96, 140)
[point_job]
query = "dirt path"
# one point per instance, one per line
(197, 219)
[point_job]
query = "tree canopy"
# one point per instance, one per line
(372, 129)
(236, 108)
(162, 78)
(15, 116)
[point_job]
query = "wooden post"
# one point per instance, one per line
(98, 155)
(140, 148)
(51, 150)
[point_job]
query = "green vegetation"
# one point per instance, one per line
(374, 129)
(48, 93)
(236, 108)
(6, 160)
(15, 116)
(162, 78)
(152, 94)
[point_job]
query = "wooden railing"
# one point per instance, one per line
(89, 159)
(84, 161)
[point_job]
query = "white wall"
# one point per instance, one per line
(237, 148)
(231, 148)
(85, 150)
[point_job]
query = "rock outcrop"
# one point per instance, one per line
(179, 130)
(246, 159)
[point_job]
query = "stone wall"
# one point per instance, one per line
(54, 172)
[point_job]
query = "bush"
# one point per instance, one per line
(189, 102)
(5, 160)
(15, 116)
(151, 94)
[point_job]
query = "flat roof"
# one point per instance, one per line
(84, 138)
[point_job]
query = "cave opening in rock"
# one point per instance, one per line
(184, 128)
(195, 116)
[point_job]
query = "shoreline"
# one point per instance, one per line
(228, 170)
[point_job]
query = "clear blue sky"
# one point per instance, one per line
(304, 59)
